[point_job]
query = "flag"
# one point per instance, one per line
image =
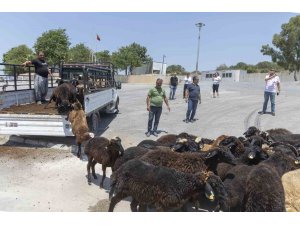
(98, 37)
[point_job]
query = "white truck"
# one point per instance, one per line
(19, 115)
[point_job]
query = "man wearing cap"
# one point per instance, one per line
(272, 86)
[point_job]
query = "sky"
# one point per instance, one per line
(227, 38)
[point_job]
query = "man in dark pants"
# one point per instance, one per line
(41, 77)
(173, 86)
(192, 96)
(155, 99)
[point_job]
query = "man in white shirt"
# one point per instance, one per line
(187, 81)
(272, 86)
(216, 82)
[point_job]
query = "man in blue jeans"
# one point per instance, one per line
(272, 82)
(154, 101)
(193, 97)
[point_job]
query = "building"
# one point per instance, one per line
(230, 75)
(151, 68)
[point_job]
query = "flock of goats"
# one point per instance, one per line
(178, 171)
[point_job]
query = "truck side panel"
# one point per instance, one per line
(44, 125)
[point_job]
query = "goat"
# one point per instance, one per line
(103, 151)
(79, 125)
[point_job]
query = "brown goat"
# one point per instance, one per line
(103, 151)
(216, 143)
(79, 124)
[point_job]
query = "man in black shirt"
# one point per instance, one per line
(192, 96)
(173, 86)
(41, 77)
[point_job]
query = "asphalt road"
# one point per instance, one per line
(52, 180)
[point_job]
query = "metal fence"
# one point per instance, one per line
(17, 77)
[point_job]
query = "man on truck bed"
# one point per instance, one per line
(41, 77)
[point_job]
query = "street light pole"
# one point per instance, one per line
(162, 66)
(198, 25)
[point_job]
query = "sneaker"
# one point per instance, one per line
(187, 120)
(193, 120)
(148, 134)
(44, 101)
(155, 134)
(261, 112)
(273, 114)
(39, 102)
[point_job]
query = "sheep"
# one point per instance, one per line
(164, 188)
(234, 144)
(137, 152)
(291, 183)
(63, 95)
(264, 191)
(103, 151)
(130, 153)
(170, 139)
(149, 144)
(79, 125)
(186, 162)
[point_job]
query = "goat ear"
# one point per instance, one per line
(211, 154)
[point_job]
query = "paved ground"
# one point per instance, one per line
(38, 179)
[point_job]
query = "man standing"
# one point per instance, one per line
(41, 77)
(271, 82)
(173, 86)
(192, 96)
(155, 99)
(216, 82)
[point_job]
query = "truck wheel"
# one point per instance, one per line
(94, 122)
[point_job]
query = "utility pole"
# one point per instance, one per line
(199, 25)
(162, 66)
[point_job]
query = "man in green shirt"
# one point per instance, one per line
(155, 99)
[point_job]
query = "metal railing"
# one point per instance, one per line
(15, 77)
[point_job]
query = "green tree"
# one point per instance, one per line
(103, 56)
(222, 67)
(55, 44)
(287, 46)
(266, 66)
(79, 53)
(128, 57)
(177, 69)
(18, 55)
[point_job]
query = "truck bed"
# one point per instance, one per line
(31, 108)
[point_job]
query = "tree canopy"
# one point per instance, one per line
(103, 56)
(177, 69)
(79, 53)
(55, 44)
(18, 55)
(133, 55)
(286, 50)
